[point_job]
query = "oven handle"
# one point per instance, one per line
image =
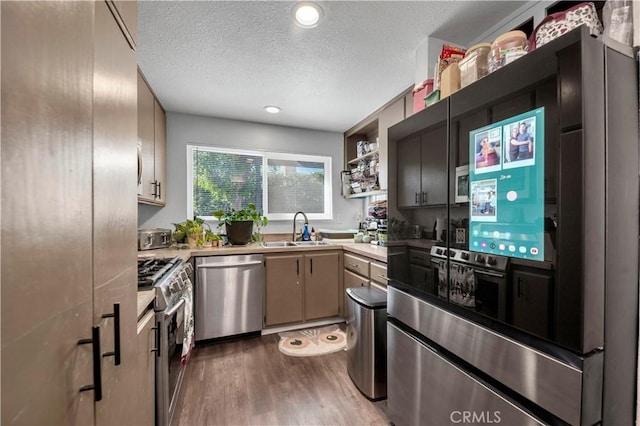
(229, 265)
(157, 329)
(173, 310)
(489, 274)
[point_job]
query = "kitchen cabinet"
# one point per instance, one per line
(126, 13)
(74, 116)
(321, 285)
(152, 142)
(301, 287)
(373, 129)
(533, 302)
(433, 167)
(422, 161)
(284, 277)
(420, 272)
(361, 271)
(146, 368)
(409, 178)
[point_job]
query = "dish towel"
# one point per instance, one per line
(187, 340)
(463, 286)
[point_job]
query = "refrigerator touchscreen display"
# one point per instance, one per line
(506, 187)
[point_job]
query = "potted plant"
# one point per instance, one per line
(239, 224)
(211, 239)
(190, 232)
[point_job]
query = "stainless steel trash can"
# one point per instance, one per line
(367, 340)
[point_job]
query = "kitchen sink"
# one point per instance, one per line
(277, 244)
(292, 244)
(312, 243)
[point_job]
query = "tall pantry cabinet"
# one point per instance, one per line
(69, 124)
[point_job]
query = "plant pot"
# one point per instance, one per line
(192, 240)
(239, 233)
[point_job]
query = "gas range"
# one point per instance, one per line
(488, 261)
(152, 269)
(168, 276)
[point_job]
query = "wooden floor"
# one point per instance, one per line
(249, 382)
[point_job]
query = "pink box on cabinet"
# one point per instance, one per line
(420, 92)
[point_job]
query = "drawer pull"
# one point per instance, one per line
(383, 277)
(353, 264)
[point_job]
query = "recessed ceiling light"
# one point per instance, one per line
(306, 14)
(272, 109)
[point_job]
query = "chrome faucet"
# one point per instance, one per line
(295, 216)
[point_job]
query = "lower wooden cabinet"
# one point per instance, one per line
(146, 363)
(321, 285)
(302, 287)
(533, 302)
(360, 271)
(283, 289)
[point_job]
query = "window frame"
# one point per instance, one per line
(266, 156)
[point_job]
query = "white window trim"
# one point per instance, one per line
(266, 155)
(328, 196)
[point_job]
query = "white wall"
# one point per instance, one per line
(183, 129)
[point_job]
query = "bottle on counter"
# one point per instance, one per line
(313, 234)
(306, 235)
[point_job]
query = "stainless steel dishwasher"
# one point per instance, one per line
(228, 296)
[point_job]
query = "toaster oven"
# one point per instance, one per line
(154, 238)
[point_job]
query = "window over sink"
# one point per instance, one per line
(279, 184)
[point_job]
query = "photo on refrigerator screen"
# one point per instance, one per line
(519, 143)
(484, 207)
(488, 149)
(506, 191)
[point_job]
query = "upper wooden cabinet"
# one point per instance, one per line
(422, 163)
(126, 14)
(152, 147)
(160, 152)
(374, 130)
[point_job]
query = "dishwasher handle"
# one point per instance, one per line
(228, 265)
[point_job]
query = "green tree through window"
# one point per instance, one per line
(226, 180)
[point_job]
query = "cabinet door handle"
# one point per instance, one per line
(157, 348)
(116, 334)
(97, 374)
(311, 264)
(424, 198)
(417, 200)
(519, 288)
(159, 189)
(298, 266)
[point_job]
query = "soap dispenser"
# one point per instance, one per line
(306, 235)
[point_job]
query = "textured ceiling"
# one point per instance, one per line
(230, 58)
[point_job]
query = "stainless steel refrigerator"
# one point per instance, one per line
(526, 309)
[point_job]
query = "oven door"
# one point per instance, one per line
(479, 290)
(170, 368)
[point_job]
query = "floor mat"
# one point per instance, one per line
(313, 341)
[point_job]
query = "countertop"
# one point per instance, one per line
(145, 298)
(375, 252)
